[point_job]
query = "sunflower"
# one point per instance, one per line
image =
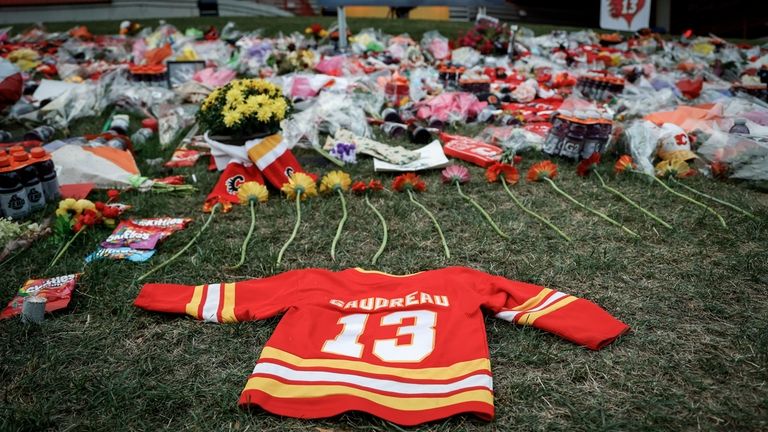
(299, 183)
(335, 180)
(252, 192)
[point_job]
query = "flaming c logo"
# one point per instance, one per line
(233, 183)
(626, 9)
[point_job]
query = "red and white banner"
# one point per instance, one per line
(625, 15)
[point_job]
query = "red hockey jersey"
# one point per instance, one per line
(409, 349)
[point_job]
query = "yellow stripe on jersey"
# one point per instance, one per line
(194, 304)
(228, 308)
(360, 270)
(528, 319)
(448, 372)
(278, 389)
(265, 146)
(533, 301)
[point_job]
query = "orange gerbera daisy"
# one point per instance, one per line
(409, 181)
(540, 170)
(498, 169)
(624, 164)
(588, 164)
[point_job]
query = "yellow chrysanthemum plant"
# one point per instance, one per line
(243, 109)
(250, 193)
(299, 187)
(337, 182)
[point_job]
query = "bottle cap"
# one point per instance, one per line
(17, 149)
(38, 153)
(5, 161)
(20, 156)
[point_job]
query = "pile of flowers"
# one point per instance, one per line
(486, 37)
(316, 31)
(244, 108)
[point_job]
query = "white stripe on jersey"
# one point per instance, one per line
(271, 156)
(510, 315)
(480, 380)
(212, 303)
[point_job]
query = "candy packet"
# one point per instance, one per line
(167, 223)
(129, 235)
(56, 290)
(121, 253)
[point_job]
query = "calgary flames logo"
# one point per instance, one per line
(233, 183)
(626, 9)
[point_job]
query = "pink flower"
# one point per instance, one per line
(455, 173)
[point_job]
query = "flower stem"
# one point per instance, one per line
(686, 197)
(64, 249)
(383, 227)
(437, 225)
(482, 211)
(717, 200)
(585, 207)
(184, 249)
(244, 248)
(328, 156)
(632, 203)
(295, 227)
(531, 212)
(341, 223)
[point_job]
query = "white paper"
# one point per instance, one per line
(625, 15)
(431, 157)
(50, 89)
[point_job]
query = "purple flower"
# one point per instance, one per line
(345, 152)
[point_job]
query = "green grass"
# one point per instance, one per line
(695, 298)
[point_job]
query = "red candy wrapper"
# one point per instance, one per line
(57, 290)
(165, 223)
(470, 150)
(183, 158)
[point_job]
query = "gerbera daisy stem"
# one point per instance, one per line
(64, 248)
(482, 211)
(295, 227)
(632, 203)
(184, 249)
(585, 207)
(531, 212)
(244, 248)
(717, 200)
(383, 227)
(341, 223)
(434, 221)
(686, 197)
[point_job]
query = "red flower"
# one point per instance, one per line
(111, 212)
(77, 226)
(540, 170)
(88, 218)
(315, 28)
(113, 195)
(510, 173)
(720, 170)
(585, 166)
(375, 185)
(623, 164)
(409, 181)
(359, 187)
(99, 206)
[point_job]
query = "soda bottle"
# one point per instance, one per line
(120, 124)
(31, 182)
(391, 115)
(46, 172)
(606, 129)
(557, 134)
(739, 127)
(13, 195)
(419, 135)
(593, 136)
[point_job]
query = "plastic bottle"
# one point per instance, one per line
(13, 195)
(739, 127)
(40, 133)
(592, 139)
(120, 124)
(31, 182)
(46, 172)
(574, 140)
(554, 140)
(5, 136)
(141, 136)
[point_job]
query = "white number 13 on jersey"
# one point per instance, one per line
(422, 334)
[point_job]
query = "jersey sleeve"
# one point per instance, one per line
(224, 302)
(572, 318)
